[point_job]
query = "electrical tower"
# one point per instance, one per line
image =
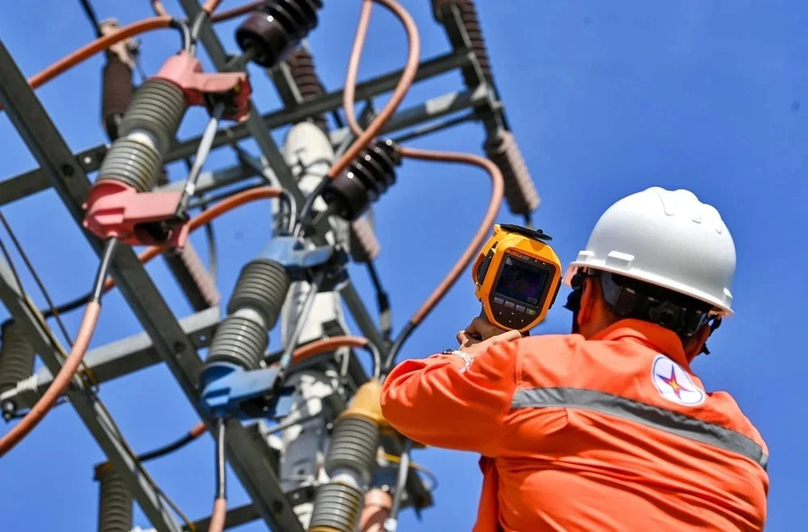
(300, 425)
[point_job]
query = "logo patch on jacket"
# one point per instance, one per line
(674, 384)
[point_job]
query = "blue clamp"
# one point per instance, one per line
(299, 260)
(292, 253)
(230, 390)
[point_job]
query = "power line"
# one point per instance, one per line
(37, 279)
(91, 16)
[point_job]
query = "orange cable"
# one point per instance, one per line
(198, 430)
(211, 5)
(486, 164)
(59, 383)
(400, 91)
(159, 8)
(485, 226)
(326, 344)
(349, 93)
(98, 45)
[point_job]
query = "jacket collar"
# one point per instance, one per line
(656, 337)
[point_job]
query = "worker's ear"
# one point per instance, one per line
(695, 345)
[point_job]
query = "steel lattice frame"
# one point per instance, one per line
(175, 342)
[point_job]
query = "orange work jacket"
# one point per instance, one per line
(614, 433)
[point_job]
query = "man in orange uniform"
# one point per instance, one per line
(608, 428)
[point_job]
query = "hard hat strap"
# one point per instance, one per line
(627, 302)
(573, 303)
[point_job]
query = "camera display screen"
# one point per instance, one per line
(521, 281)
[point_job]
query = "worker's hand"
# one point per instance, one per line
(478, 330)
(480, 335)
(493, 336)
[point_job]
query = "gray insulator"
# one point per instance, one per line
(520, 191)
(262, 285)
(157, 107)
(133, 163)
(337, 507)
(238, 340)
(354, 444)
(116, 93)
(16, 356)
(115, 501)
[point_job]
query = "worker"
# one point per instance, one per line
(607, 428)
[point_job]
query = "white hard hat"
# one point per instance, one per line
(665, 238)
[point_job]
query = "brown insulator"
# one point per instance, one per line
(301, 67)
(364, 244)
(116, 93)
(520, 191)
(471, 22)
(275, 28)
(365, 179)
(196, 282)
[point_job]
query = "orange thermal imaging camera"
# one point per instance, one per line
(517, 277)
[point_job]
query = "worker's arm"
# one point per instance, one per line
(438, 401)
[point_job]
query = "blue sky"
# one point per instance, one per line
(605, 99)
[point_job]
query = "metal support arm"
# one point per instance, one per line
(117, 358)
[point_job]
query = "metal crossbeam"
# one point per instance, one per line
(285, 84)
(117, 359)
(361, 316)
(71, 183)
(34, 181)
(432, 109)
(492, 117)
(327, 102)
(253, 125)
(89, 407)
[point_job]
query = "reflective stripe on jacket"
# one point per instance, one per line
(611, 434)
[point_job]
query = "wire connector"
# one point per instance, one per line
(207, 89)
(115, 209)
